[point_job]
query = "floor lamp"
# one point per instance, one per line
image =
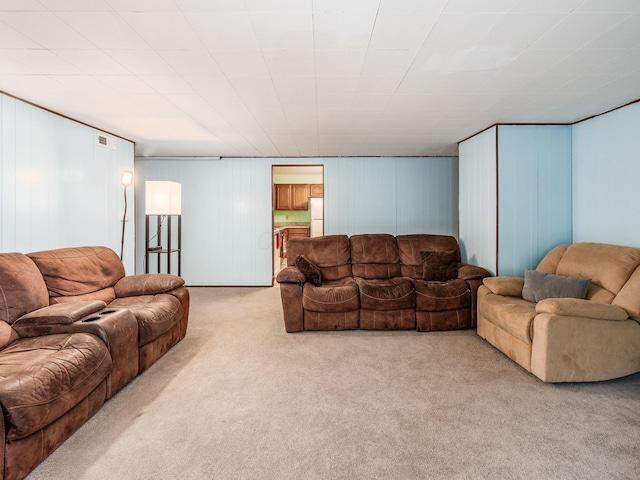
(126, 179)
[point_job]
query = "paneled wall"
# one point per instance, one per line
(58, 187)
(515, 196)
(534, 194)
(478, 200)
(606, 175)
(227, 211)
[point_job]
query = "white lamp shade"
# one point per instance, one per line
(163, 198)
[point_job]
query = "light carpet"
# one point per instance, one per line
(239, 398)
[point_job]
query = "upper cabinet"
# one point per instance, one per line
(292, 196)
(316, 190)
(300, 196)
(283, 197)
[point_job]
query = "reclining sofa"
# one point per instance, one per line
(73, 331)
(563, 339)
(378, 282)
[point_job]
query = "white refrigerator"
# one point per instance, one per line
(316, 206)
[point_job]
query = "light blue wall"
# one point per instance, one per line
(58, 188)
(606, 175)
(227, 211)
(478, 200)
(515, 196)
(534, 194)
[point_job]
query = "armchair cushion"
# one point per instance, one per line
(574, 307)
(290, 275)
(386, 294)
(331, 297)
(472, 272)
(439, 266)
(507, 286)
(539, 285)
(309, 270)
(147, 284)
(60, 314)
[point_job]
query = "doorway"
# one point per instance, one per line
(298, 207)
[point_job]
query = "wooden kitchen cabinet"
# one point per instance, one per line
(300, 196)
(292, 196)
(283, 197)
(297, 232)
(316, 190)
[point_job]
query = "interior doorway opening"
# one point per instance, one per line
(298, 207)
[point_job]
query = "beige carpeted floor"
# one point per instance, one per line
(239, 398)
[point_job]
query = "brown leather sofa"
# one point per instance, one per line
(74, 330)
(376, 281)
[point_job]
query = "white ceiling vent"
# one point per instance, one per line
(106, 141)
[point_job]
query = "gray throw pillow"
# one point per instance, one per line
(538, 286)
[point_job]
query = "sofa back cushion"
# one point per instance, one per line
(331, 254)
(375, 256)
(410, 246)
(608, 266)
(629, 295)
(78, 270)
(22, 289)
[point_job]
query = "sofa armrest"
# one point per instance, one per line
(576, 307)
(59, 314)
(472, 272)
(290, 275)
(507, 286)
(147, 284)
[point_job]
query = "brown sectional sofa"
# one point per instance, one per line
(73, 331)
(375, 281)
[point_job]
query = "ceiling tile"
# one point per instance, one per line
(345, 6)
(164, 30)
(455, 31)
(534, 62)
(246, 63)
(46, 29)
(191, 62)
(10, 38)
(402, 31)
(210, 85)
(622, 35)
(336, 85)
(20, 5)
(93, 62)
(609, 6)
(168, 84)
(342, 30)
(336, 63)
(197, 6)
(76, 5)
(224, 30)
(283, 30)
(144, 5)
(519, 30)
(578, 29)
(106, 30)
(278, 5)
(378, 85)
(256, 91)
(141, 62)
(412, 5)
(387, 62)
(529, 6)
(126, 84)
(290, 63)
(485, 6)
(42, 62)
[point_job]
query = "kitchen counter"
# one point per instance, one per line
(282, 225)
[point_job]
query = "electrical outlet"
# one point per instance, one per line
(286, 217)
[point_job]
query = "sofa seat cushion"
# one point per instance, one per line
(442, 296)
(511, 314)
(391, 294)
(331, 297)
(44, 377)
(156, 314)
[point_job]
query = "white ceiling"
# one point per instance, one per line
(318, 77)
